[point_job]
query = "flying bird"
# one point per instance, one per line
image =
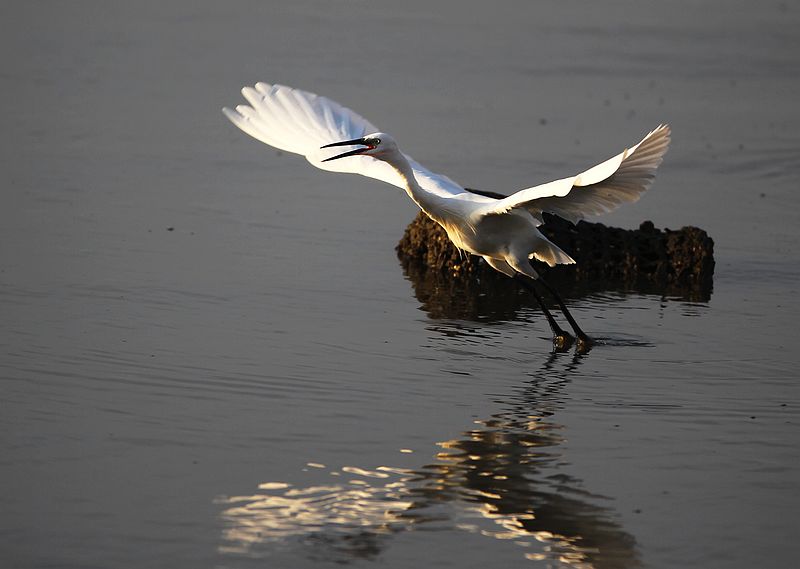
(501, 229)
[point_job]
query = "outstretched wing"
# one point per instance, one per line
(301, 122)
(601, 189)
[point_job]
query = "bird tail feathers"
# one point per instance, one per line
(551, 254)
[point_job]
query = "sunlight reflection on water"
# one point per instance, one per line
(500, 479)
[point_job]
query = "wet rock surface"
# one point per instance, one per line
(678, 263)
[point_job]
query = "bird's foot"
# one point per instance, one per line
(562, 341)
(584, 345)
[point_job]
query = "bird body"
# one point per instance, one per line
(502, 231)
(500, 238)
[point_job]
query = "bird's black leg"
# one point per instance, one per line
(584, 342)
(561, 340)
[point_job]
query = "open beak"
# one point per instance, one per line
(347, 143)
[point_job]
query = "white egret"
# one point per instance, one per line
(502, 230)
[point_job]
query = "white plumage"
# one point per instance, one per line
(503, 231)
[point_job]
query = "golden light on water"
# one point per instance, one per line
(282, 512)
(487, 483)
(502, 479)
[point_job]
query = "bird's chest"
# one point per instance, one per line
(463, 240)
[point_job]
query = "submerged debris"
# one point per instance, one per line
(672, 263)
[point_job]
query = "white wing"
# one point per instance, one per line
(601, 189)
(300, 122)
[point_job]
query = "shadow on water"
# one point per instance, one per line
(503, 478)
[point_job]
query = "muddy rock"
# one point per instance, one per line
(662, 261)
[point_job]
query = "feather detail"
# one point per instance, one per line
(600, 189)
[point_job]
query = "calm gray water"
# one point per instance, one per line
(211, 357)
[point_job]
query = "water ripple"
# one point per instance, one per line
(500, 479)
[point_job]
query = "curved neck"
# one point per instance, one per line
(423, 198)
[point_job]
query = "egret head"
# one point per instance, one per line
(377, 145)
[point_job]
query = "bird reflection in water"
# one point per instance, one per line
(502, 479)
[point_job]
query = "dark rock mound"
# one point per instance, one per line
(671, 263)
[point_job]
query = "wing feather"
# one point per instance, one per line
(300, 122)
(600, 189)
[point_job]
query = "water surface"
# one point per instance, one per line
(211, 357)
